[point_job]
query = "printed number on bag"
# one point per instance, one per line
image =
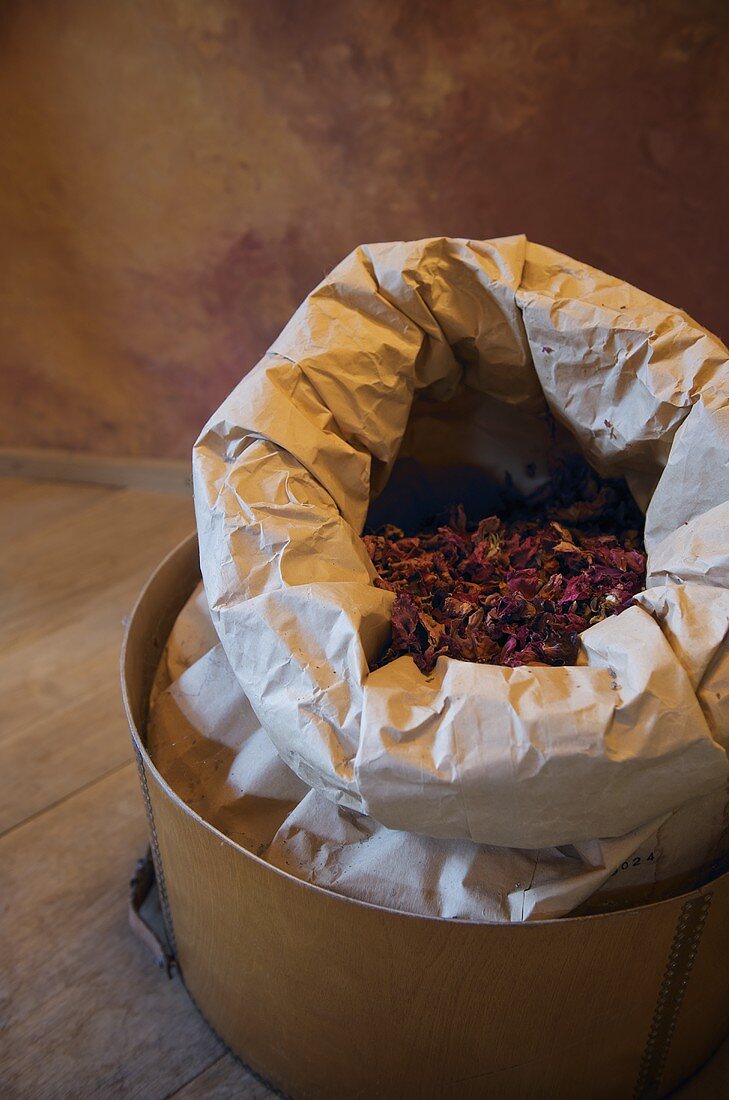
(634, 861)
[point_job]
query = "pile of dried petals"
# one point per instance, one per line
(516, 590)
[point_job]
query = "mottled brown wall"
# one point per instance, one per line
(178, 173)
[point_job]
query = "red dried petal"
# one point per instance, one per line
(516, 590)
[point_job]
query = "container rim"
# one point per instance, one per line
(138, 739)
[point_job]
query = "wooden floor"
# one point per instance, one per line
(83, 1012)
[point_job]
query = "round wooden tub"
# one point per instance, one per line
(330, 998)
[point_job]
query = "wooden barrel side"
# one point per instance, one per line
(332, 999)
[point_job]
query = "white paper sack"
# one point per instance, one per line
(206, 741)
(400, 335)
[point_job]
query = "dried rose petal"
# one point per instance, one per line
(517, 589)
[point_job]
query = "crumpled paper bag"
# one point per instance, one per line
(487, 340)
(208, 744)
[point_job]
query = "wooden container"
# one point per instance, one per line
(333, 999)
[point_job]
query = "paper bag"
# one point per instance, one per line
(490, 340)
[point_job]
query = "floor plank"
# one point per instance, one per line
(85, 1013)
(68, 579)
(59, 754)
(26, 506)
(226, 1079)
(52, 574)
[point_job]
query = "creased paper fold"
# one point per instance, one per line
(501, 333)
